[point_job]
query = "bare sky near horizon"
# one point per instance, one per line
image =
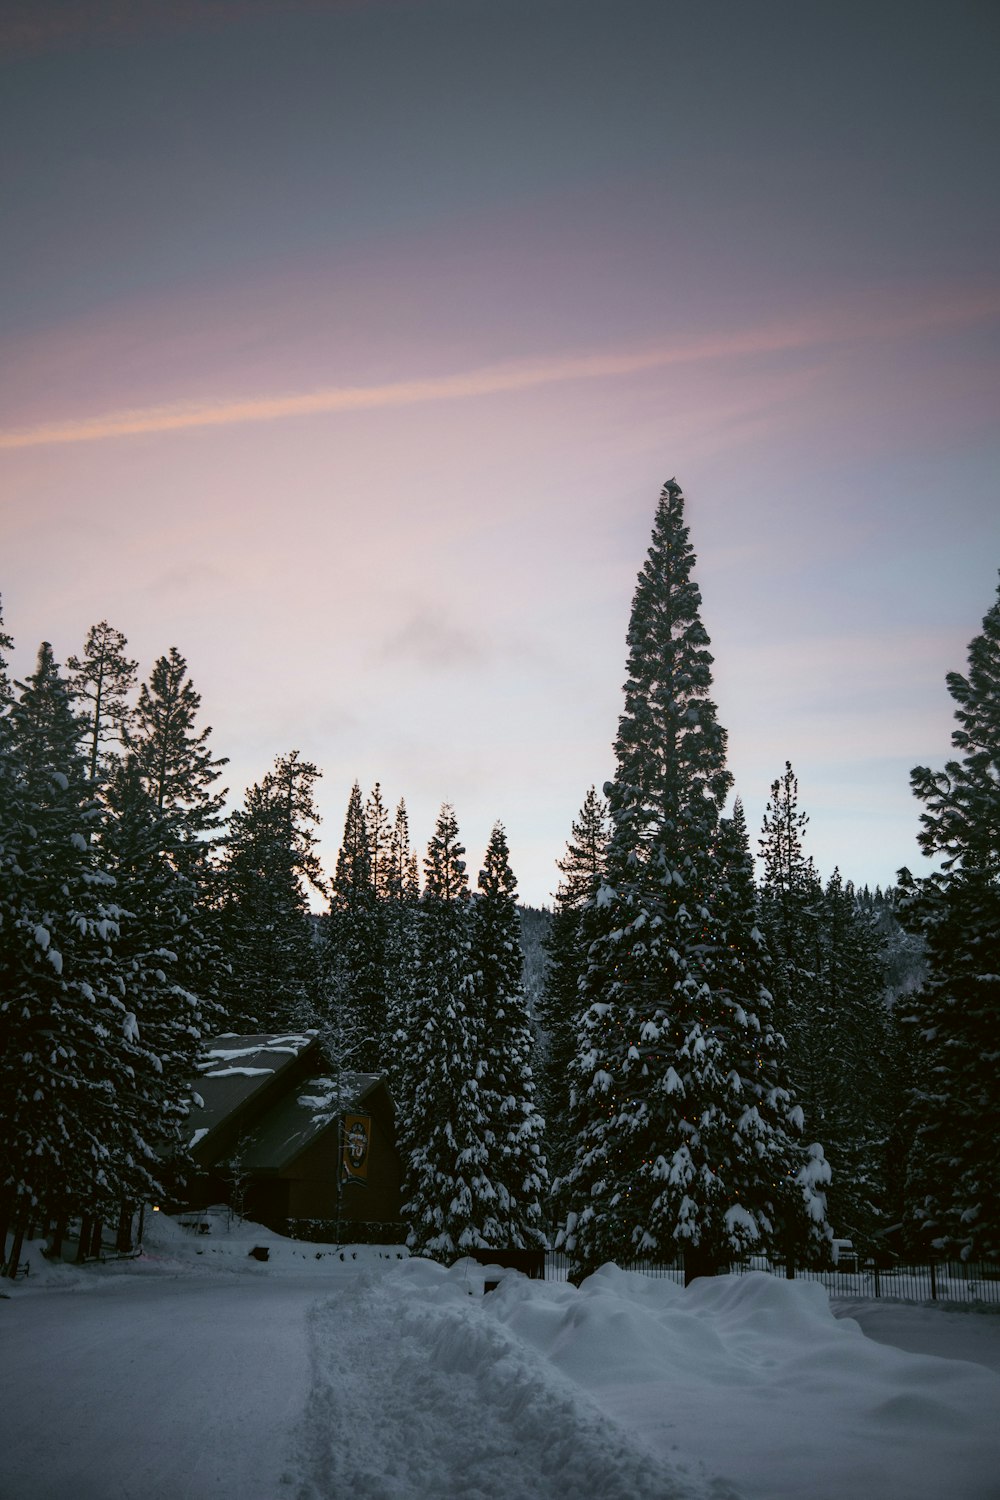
(347, 347)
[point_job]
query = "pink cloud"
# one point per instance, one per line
(843, 326)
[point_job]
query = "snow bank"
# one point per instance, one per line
(756, 1376)
(180, 1248)
(633, 1386)
(421, 1391)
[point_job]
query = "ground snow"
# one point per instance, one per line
(198, 1373)
(420, 1393)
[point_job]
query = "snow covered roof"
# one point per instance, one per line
(282, 1107)
(234, 1068)
(301, 1116)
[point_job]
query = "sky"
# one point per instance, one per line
(347, 347)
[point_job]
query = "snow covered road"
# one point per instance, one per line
(174, 1389)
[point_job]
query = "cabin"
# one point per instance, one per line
(291, 1144)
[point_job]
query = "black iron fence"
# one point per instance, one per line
(939, 1281)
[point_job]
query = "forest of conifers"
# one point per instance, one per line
(716, 1056)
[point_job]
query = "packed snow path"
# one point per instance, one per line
(214, 1380)
(430, 1396)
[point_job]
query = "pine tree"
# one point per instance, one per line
(954, 1202)
(675, 1149)
(270, 860)
(174, 760)
(102, 678)
(449, 1201)
(513, 1127)
(791, 895)
(581, 868)
(855, 1083)
(829, 984)
(179, 773)
(791, 901)
(403, 880)
(355, 938)
(165, 1023)
(71, 1127)
(401, 922)
(379, 835)
(757, 1054)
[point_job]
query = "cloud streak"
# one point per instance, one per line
(513, 376)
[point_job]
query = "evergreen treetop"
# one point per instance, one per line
(102, 678)
(176, 764)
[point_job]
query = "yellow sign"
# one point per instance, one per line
(357, 1143)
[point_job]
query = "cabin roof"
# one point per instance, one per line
(301, 1116)
(235, 1069)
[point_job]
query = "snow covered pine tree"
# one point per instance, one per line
(269, 861)
(355, 943)
(952, 1180)
(449, 1201)
(581, 868)
(513, 1127)
(686, 1134)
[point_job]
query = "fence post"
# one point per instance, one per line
(878, 1291)
(933, 1283)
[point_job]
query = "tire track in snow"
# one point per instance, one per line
(428, 1398)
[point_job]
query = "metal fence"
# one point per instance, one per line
(942, 1281)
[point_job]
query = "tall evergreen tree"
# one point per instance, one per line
(828, 978)
(179, 772)
(72, 1132)
(165, 1023)
(401, 921)
(954, 1201)
(269, 862)
(791, 896)
(855, 1081)
(449, 1200)
(513, 1128)
(403, 882)
(379, 835)
(102, 679)
(581, 868)
(756, 1049)
(173, 757)
(355, 939)
(676, 1150)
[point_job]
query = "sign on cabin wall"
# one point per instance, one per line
(357, 1144)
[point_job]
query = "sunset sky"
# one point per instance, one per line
(346, 347)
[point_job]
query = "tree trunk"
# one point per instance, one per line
(95, 1240)
(86, 1224)
(6, 1206)
(15, 1249)
(123, 1239)
(58, 1235)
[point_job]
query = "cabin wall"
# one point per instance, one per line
(312, 1176)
